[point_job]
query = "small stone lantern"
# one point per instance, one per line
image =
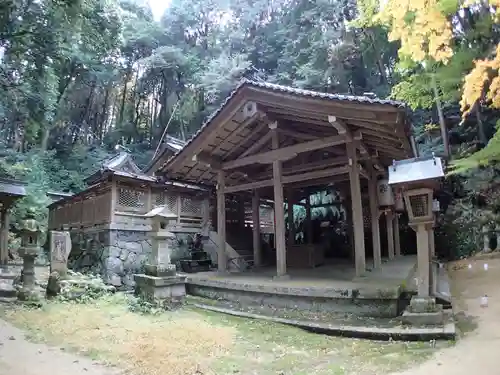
(160, 280)
(30, 237)
(418, 178)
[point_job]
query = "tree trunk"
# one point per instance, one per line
(480, 125)
(124, 95)
(442, 123)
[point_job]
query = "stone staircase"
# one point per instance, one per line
(8, 292)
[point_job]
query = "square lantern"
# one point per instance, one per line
(161, 218)
(419, 204)
(416, 179)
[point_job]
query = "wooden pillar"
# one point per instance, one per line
(113, 202)
(357, 210)
(390, 234)
(205, 214)
(291, 223)
(350, 230)
(179, 208)
(308, 226)
(279, 210)
(256, 229)
(4, 236)
(397, 239)
(372, 192)
(221, 222)
(241, 211)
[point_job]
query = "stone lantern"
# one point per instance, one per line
(417, 179)
(160, 280)
(30, 237)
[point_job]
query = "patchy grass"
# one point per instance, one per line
(189, 341)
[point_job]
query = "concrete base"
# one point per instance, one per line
(371, 331)
(423, 311)
(153, 288)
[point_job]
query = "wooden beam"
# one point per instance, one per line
(257, 130)
(221, 222)
(390, 233)
(331, 162)
(304, 105)
(339, 125)
(225, 115)
(239, 128)
(288, 179)
(256, 229)
(285, 153)
(374, 216)
(257, 145)
(357, 211)
(297, 135)
(279, 210)
(325, 182)
(208, 160)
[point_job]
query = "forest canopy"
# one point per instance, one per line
(78, 77)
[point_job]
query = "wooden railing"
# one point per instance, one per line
(125, 205)
(88, 208)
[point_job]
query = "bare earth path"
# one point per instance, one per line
(20, 357)
(476, 353)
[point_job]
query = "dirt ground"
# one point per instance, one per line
(477, 351)
(20, 357)
(279, 350)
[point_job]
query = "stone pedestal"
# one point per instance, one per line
(168, 286)
(28, 291)
(423, 311)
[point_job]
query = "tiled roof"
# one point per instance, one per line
(171, 143)
(12, 187)
(293, 91)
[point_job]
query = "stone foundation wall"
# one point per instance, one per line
(116, 255)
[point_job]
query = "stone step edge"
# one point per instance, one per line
(447, 332)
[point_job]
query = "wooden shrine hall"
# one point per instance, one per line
(283, 144)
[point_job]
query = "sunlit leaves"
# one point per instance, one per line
(421, 26)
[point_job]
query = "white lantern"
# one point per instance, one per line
(399, 203)
(385, 196)
(436, 206)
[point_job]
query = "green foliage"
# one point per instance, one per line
(486, 156)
